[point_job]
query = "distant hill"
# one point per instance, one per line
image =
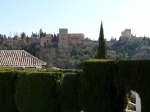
(75, 55)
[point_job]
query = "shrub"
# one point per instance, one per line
(97, 88)
(37, 92)
(7, 90)
(135, 75)
(70, 93)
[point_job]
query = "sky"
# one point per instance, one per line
(79, 16)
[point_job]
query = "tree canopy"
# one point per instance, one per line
(101, 54)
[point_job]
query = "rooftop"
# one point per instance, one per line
(19, 58)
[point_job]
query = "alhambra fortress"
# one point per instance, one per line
(62, 40)
(22, 59)
(17, 57)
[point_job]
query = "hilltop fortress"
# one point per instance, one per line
(61, 40)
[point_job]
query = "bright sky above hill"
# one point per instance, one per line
(79, 16)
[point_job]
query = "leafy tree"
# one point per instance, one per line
(42, 34)
(27, 39)
(101, 54)
(4, 36)
(23, 35)
(54, 38)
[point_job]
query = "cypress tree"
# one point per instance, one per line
(101, 54)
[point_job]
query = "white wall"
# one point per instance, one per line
(138, 103)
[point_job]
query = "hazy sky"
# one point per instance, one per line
(79, 16)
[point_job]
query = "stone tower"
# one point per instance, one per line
(63, 38)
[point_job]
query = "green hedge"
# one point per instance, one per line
(102, 87)
(32, 91)
(101, 77)
(7, 90)
(37, 92)
(97, 88)
(135, 75)
(70, 93)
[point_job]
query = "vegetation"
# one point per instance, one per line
(98, 92)
(7, 91)
(37, 92)
(103, 86)
(134, 75)
(70, 93)
(138, 48)
(77, 54)
(101, 54)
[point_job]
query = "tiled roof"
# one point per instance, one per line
(19, 58)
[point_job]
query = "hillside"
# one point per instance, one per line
(72, 57)
(75, 55)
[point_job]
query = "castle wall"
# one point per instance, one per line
(63, 38)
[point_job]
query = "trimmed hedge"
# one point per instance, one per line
(97, 88)
(105, 84)
(135, 75)
(22, 91)
(37, 92)
(102, 87)
(70, 93)
(7, 90)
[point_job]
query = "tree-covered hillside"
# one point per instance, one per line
(75, 55)
(138, 48)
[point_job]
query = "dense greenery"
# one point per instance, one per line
(103, 86)
(37, 92)
(101, 54)
(7, 91)
(138, 48)
(76, 54)
(98, 93)
(96, 84)
(134, 75)
(70, 93)
(73, 57)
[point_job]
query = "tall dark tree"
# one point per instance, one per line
(27, 39)
(101, 54)
(41, 33)
(23, 35)
(54, 38)
(4, 36)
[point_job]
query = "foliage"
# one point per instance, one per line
(7, 90)
(134, 75)
(31, 90)
(102, 86)
(101, 54)
(70, 93)
(137, 48)
(97, 88)
(37, 92)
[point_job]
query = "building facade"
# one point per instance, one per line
(63, 38)
(66, 39)
(126, 35)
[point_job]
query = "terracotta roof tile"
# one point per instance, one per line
(19, 58)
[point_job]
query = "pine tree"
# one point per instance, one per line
(101, 54)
